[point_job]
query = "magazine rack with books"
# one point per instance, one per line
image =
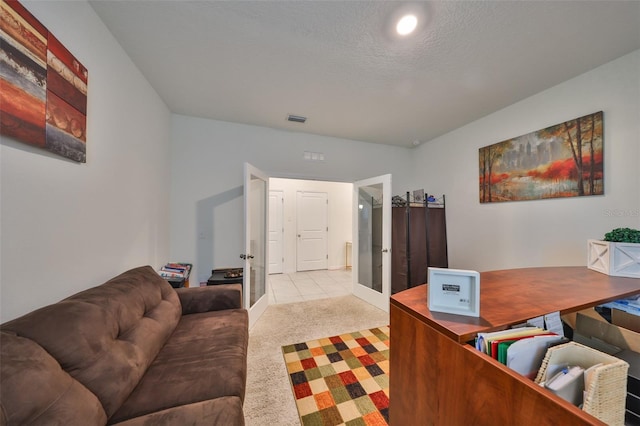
(176, 273)
(605, 395)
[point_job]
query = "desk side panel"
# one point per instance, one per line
(437, 381)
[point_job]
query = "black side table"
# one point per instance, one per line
(176, 282)
(218, 277)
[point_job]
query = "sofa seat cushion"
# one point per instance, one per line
(205, 358)
(225, 411)
(35, 390)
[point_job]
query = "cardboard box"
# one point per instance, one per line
(625, 320)
(591, 325)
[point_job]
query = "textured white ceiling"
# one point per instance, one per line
(340, 64)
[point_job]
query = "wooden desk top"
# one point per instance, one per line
(513, 296)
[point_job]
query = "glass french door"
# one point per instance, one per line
(372, 240)
(256, 212)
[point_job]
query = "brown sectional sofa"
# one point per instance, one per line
(133, 351)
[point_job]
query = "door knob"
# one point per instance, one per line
(243, 256)
(385, 250)
(250, 256)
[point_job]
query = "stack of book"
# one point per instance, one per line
(175, 270)
(521, 349)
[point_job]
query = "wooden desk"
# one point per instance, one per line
(436, 378)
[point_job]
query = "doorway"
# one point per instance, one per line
(292, 284)
(338, 221)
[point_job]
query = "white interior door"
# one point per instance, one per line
(276, 232)
(372, 240)
(256, 218)
(312, 223)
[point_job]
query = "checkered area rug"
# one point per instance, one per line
(341, 380)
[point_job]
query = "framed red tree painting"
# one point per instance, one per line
(565, 160)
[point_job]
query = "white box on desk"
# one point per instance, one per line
(615, 259)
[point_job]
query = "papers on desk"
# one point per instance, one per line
(551, 322)
(483, 341)
(522, 349)
(554, 323)
(525, 356)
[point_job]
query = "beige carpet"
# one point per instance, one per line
(269, 401)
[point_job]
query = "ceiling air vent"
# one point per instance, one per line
(296, 118)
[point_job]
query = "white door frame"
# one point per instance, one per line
(277, 216)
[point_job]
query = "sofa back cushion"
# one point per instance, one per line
(106, 337)
(34, 390)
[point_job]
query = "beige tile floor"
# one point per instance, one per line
(309, 285)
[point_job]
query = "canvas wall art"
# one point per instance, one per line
(43, 87)
(565, 160)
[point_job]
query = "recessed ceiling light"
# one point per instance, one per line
(407, 24)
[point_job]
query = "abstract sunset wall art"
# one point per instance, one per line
(43, 87)
(565, 160)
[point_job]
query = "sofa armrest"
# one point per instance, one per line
(210, 298)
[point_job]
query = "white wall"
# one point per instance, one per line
(339, 217)
(545, 232)
(67, 226)
(207, 159)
